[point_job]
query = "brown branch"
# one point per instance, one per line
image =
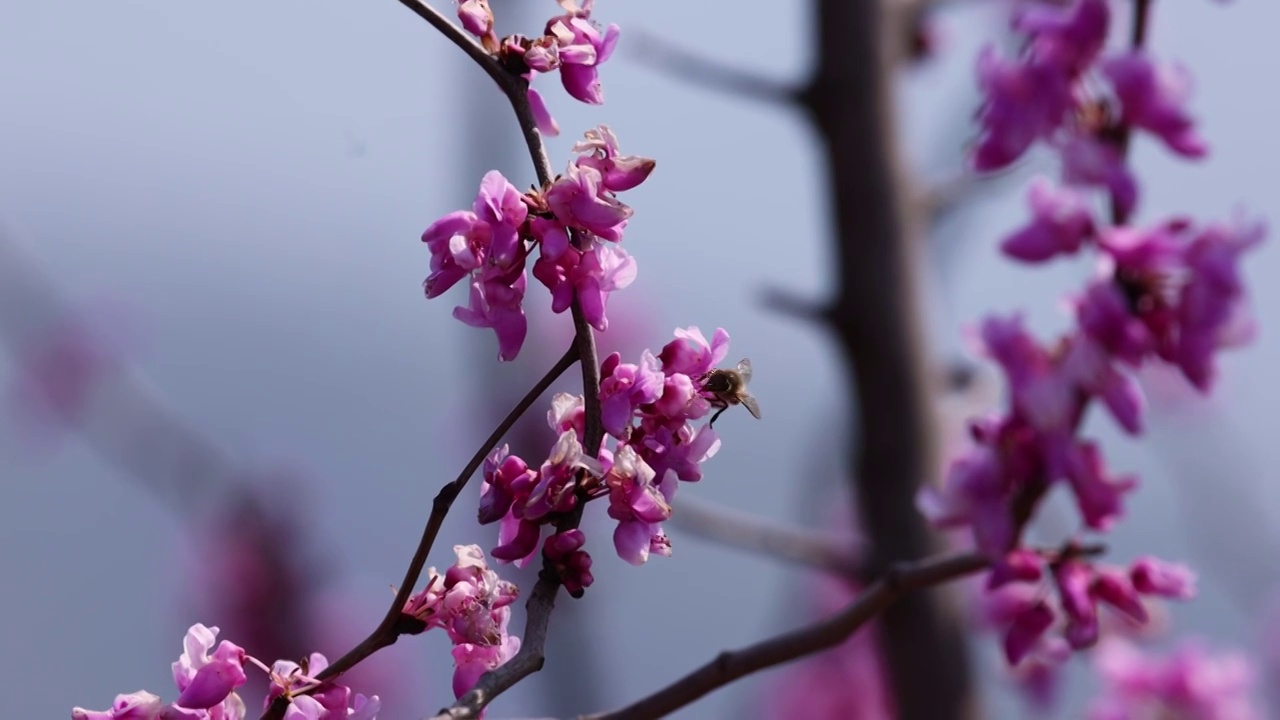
(785, 302)
(877, 323)
(898, 581)
(689, 67)
(389, 630)
(541, 601)
(758, 535)
(730, 665)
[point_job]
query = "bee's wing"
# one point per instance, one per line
(744, 369)
(749, 402)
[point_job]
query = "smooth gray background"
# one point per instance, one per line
(249, 180)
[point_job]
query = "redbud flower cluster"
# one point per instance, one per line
(1028, 613)
(207, 682)
(570, 43)
(1192, 682)
(1168, 292)
(1064, 91)
(649, 410)
(471, 603)
(576, 224)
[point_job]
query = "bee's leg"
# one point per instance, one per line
(712, 423)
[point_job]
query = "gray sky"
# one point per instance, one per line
(249, 181)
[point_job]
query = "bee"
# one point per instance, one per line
(729, 387)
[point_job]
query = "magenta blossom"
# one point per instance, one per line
(328, 703)
(690, 353)
(477, 18)
(638, 504)
(1152, 98)
(570, 562)
(1190, 683)
(1061, 222)
(1069, 36)
(484, 243)
(649, 409)
(624, 388)
(583, 48)
(472, 604)
(618, 172)
(580, 200)
(206, 680)
(1024, 102)
(588, 277)
(1211, 312)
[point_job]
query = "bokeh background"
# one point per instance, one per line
(232, 194)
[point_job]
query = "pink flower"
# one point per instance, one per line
(618, 172)
(624, 388)
(980, 484)
(1070, 36)
(1153, 99)
(582, 50)
(1152, 576)
(1092, 161)
(1191, 683)
(1074, 579)
(637, 503)
(495, 302)
(1098, 494)
(1210, 307)
(140, 705)
(471, 660)
(1026, 630)
(484, 243)
(1106, 319)
(472, 604)
(1023, 102)
(580, 200)
(506, 478)
(571, 563)
(464, 241)
(567, 413)
(690, 354)
(588, 277)
(557, 480)
(477, 19)
(206, 680)
(1061, 222)
(1042, 393)
(328, 703)
(547, 124)
(1089, 367)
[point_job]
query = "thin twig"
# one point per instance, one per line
(541, 601)
(786, 302)
(760, 536)
(1138, 38)
(877, 320)
(389, 629)
(897, 581)
(680, 64)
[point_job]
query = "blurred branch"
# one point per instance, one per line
(143, 438)
(686, 66)
(757, 535)
(897, 581)
(541, 601)
(785, 302)
(877, 322)
(390, 628)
